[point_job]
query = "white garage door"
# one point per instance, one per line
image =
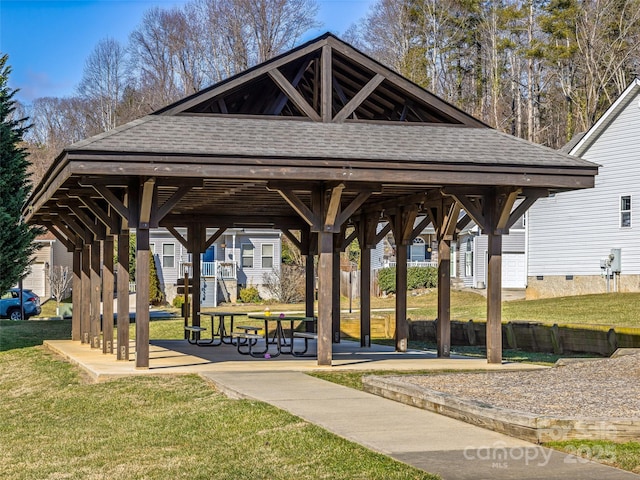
(35, 281)
(514, 270)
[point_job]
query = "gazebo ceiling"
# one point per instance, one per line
(319, 115)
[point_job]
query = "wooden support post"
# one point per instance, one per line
(96, 287)
(335, 294)
(310, 277)
(196, 238)
(402, 327)
(142, 298)
(365, 297)
(443, 333)
(123, 295)
(76, 293)
(325, 304)
(85, 306)
(494, 299)
(107, 294)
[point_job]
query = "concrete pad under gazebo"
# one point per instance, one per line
(322, 143)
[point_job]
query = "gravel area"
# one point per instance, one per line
(600, 388)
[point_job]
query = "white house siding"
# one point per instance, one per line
(255, 276)
(513, 260)
(570, 232)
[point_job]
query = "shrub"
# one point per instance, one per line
(250, 295)
(387, 279)
(178, 301)
(417, 277)
(422, 277)
(156, 296)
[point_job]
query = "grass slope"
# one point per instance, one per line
(54, 425)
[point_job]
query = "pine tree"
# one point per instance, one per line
(156, 297)
(16, 238)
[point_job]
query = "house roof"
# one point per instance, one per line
(631, 92)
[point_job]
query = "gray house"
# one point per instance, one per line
(571, 235)
(239, 258)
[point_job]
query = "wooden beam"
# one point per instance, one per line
(472, 209)
(146, 203)
(107, 294)
(123, 296)
(176, 234)
(463, 222)
(95, 296)
(112, 200)
(421, 225)
(350, 209)
(281, 100)
(213, 238)
(359, 97)
(326, 92)
(383, 232)
(100, 214)
(142, 298)
(521, 209)
(298, 100)
(98, 230)
(171, 202)
(85, 306)
(292, 238)
(506, 199)
(349, 239)
(82, 232)
(68, 242)
(449, 222)
(300, 208)
(333, 208)
(76, 293)
(325, 288)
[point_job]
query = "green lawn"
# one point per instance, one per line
(54, 425)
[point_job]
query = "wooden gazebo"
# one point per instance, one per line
(315, 140)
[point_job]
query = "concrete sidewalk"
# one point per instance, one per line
(434, 443)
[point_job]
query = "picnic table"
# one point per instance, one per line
(283, 343)
(220, 333)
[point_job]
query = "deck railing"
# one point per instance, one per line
(215, 269)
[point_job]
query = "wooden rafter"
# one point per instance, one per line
(326, 92)
(100, 214)
(98, 230)
(300, 208)
(210, 241)
(506, 199)
(350, 209)
(67, 241)
(421, 225)
(357, 100)
(292, 238)
(178, 236)
(529, 200)
(112, 200)
(171, 202)
(289, 90)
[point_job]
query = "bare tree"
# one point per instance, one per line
(286, 285)
(60, 280)
(103, 81)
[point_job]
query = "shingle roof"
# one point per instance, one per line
(305, 140)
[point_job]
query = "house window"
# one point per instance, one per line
(267, 255)
(418, 250)
(625, 211)
(168, 255)
(247, 255)
(468, 259)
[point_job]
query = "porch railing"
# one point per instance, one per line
(416, 264)
(214, 269)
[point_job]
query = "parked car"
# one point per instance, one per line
(10, 304)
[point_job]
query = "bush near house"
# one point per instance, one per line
(250, 295)
(417, 277)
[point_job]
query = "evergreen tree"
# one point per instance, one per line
(156, 297)
(16, 238)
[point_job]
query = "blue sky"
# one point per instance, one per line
(48, 41)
